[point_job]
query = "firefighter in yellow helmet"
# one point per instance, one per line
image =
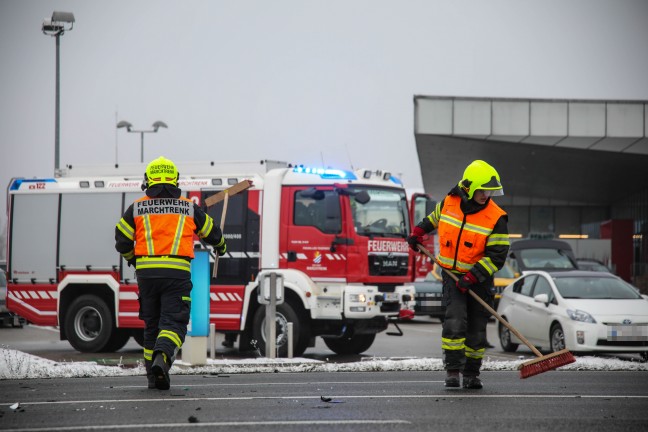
(473, 244)
(155, 234)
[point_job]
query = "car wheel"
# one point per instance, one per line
(505, 339)
(557, 338)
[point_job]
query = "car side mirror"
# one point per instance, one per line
(542, 298)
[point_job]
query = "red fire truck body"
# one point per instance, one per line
(337, 237)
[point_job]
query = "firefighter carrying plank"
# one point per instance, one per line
(155, 234)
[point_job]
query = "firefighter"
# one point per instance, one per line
(473, 244)
(155, 234)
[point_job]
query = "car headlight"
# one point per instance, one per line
(579, 315)
(358, 298)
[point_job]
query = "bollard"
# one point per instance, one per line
(212, 340)
(289, 330)
(270, 320)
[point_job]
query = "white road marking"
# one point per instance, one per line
(459, 394)
(214, 424)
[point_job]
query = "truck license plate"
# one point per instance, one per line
(390, 296)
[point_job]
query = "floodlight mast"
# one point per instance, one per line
(56, 26)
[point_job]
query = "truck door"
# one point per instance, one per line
(312, 226)
(421, 206)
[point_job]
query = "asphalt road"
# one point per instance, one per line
(367, 401)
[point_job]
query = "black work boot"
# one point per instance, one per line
(452, 378)
(160, 370)
(472, 382)
(149, 373)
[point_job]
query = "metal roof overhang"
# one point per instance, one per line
(547, 152)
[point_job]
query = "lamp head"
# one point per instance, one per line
(158, 124)
(124, 124)
(58, 23)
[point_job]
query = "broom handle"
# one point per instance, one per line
(222, 226)
(483, 303)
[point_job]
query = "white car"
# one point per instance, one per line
(583, 311)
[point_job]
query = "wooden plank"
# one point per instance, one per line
(233, 190)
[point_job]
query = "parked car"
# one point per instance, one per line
(582, 311)
(429, 297)
(525, 255)
(592, 265)
(6, 317)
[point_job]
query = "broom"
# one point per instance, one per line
(529, 368)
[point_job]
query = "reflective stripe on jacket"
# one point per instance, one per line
(463, 238)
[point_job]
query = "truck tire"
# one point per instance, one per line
(118, 339)
(138, 335)
(285, 313)
(350, 345)
(89, 324)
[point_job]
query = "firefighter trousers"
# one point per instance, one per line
(165, 306)
(463, 337)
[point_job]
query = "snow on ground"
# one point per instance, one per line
(18, 365)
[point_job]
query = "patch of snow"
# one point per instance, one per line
(18, 365)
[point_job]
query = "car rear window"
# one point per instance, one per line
(546, 259)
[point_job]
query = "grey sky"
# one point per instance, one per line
(308, 82)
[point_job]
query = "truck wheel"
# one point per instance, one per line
(138, 335)
(117, 340)
(350, 345)
(89, 324)
(285, 314)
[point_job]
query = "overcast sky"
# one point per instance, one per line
(307, 82)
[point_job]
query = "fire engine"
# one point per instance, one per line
(337, 237)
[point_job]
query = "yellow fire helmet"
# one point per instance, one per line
(480, 175)
(161, 170)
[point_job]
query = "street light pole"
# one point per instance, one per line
(56, 26)
(129, 128)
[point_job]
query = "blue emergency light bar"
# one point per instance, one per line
(325, 173)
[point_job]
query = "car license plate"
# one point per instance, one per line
(628, 332)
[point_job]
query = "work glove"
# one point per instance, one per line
(416, 238)
(466, 281)
(221, 250)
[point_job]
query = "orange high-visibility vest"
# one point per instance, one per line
(462, 244)
(163, 227)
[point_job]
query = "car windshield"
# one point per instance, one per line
(591, 287)
(384, 215)
(545, 258)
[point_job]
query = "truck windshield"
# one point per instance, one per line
(384, 215)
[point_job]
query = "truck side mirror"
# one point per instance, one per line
(362, 197)
(312, 193)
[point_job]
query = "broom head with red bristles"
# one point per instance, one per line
(546, 363)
